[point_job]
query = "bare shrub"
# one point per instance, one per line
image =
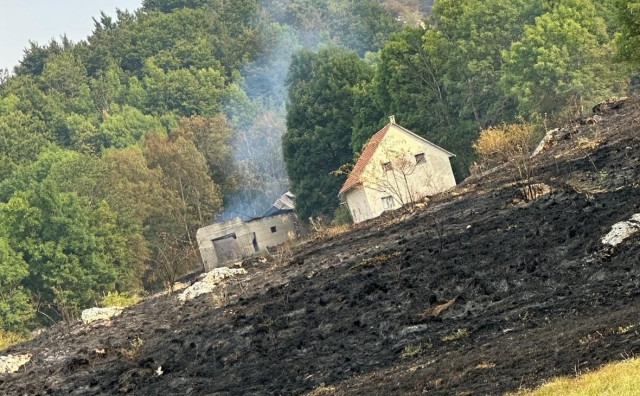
(282, 255)
(173, 258)
(320, 228)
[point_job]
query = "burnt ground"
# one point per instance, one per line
(477, 294)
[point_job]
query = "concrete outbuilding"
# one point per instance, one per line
(233, 240)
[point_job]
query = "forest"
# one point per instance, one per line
(114, 150)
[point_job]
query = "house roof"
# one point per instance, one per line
(370, 148)
(286, 203)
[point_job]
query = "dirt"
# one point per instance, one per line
(479, 293)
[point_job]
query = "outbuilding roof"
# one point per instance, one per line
(370, 148)
(286, 203)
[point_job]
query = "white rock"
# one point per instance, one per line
(209, 282)
(623, 230)
(546, 142)
(12, 363)
(94, 314)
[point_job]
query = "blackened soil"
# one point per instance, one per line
(530, 294)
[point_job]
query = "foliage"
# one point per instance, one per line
(211, 136)
(9, 338)
(628, 12)
(116, 299)
(185, 173)
(15, 307)
(360, 25)
(71, 251)
(509, 144)
(560, 64)
(317, 142)
(342, 216)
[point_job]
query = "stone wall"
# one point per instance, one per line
(235, 239)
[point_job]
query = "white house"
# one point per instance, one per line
(396, 167)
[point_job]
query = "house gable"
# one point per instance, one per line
(396, 167)
(372, 146)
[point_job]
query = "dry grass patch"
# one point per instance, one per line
(281, 255)
(414, 350)
(485, 365)
(582, 185)
(625, 329)
(322, 390)
(122, 300)
(584, 143)
(460, 333)
(134, 350)
(320, 229)
(616, 379)
(8, 338)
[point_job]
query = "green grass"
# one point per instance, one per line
(615, 379)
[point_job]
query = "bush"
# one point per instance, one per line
(116, 299)
(8, 338)
(342, 216)
(508, 144)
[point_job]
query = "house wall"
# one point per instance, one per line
(399, 147)
(358, 204)
(258, 231)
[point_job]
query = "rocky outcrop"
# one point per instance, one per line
(95, 314)
(209, 282)
(12, 363)
(622, 230)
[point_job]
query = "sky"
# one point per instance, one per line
(43, 20)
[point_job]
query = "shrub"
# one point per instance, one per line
(116, 299)
(342, 216)
(509, 144)
(8, 338)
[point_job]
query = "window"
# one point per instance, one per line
(420, 159)
(386, 166)
(388, 203)
(273, 229)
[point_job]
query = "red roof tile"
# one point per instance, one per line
(365, 157)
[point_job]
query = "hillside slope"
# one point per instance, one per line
(477, 294)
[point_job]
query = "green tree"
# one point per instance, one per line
(71, 254)
(125, 127)
(211, 136)
(188, 92)
(360, 25)
(65, 78)
(629, 39)
(22, 136)
(561, 63)
(15, 306)
(319, 119)
(185, 173)
(466, 48)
